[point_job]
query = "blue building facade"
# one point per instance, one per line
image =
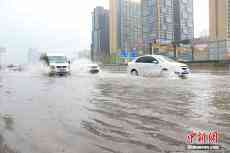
(100, 34)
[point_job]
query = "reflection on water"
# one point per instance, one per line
(1, 140)
(5, 148)
(1, 82)
(8, 121)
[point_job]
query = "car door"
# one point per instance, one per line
(139, 65)
(151, 66)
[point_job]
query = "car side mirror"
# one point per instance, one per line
(69, 62)
(155, 62)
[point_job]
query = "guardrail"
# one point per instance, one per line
(114, 67)
(207, 62)
(120, 68)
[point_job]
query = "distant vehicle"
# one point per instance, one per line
(13, 67)
(58, 64)
(93, 68)
(157, 65)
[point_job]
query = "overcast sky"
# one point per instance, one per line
(58, 25)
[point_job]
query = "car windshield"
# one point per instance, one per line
(57, 59)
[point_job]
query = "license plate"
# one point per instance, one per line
(62, 70)
(186, 72)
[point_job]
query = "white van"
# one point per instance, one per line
(58, 64)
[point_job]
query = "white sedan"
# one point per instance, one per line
(93, 68)
(156, 65)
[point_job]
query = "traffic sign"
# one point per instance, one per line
(133, 54)
(124, 54)
(128, 54)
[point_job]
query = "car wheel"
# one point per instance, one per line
(183, 76)
(164, 72)
(134, 73)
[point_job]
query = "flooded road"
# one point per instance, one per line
(110, 112)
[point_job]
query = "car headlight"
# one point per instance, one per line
(52, 67)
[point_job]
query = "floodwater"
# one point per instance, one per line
(110, 112)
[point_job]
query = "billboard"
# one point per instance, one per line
(128, 54)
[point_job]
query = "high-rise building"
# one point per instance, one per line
(167, 20)
(183, 20)
(100, 34)
(219, 12)
(219, 26)
(125, 24)
(158, 22)
(157, 16)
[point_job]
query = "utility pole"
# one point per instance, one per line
(126, 25)
(158, 19)
(126, 22)
(158, 27)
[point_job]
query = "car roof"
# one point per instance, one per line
(150, 55)
(92, 64)
(55, 54)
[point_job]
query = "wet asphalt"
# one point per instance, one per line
(110, 112)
